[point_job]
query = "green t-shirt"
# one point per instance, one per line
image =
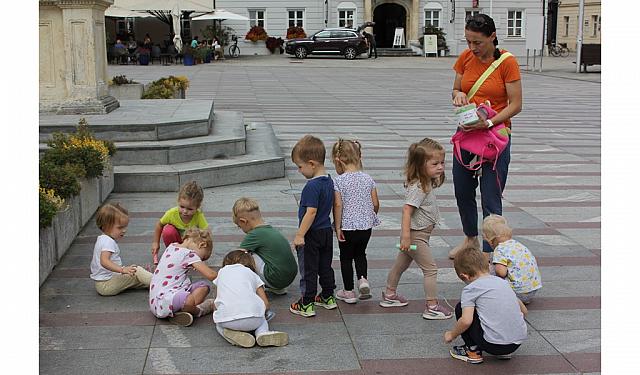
(172, 216)
(280, 267)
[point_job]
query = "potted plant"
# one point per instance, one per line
(187, 55)
(295, 32)
(144, 55)
(274, 43)
(256, 33)
(172, 87)
(122, 88)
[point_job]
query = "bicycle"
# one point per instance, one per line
(558, 50)
(234, 50)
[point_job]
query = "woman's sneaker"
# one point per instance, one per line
(304, 310)
(272, 338)
(363, 288)
(182, 318)
(348, 296)
(239, 338)
(393, 300)
(328, 303)
(437, 312)
(463, 353)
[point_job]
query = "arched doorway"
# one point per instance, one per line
(387, 17)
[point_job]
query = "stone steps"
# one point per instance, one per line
(262, 161)
(227, 138)
(396, 52)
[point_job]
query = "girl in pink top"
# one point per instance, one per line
(171, 293)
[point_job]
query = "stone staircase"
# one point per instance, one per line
(164, 143)
(396, 52)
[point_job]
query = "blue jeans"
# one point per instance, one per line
(465, 183)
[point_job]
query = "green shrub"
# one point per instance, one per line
(50, 204)
(165, 87)
(157, 92)
(63, 179)
(121, 80)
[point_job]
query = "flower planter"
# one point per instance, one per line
(187, 60)
(179, 94)
(143, 59)
(131, 91)
(57, 238)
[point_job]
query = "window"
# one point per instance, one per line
(432, 17)
(594, 22)
(256, 17)
(346, 17)
(566, 25)
(296, 17)
(323, 34)
(514, 23)
(470, 13)
(185, 24)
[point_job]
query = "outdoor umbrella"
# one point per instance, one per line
(175, 8)
(114, 11)
(220, 14)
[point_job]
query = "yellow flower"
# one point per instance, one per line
(52, 197)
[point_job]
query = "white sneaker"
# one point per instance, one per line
(363, 289)
(272, 338)
(239, 338)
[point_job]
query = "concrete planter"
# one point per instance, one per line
(131, 91)
(179, 94)
(57, 238)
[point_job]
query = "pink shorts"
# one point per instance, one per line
(181, 297)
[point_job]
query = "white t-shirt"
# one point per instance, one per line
(104, 243)
(426, 212)
(236, 296)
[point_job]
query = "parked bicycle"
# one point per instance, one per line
(234, 50)
(558, 50)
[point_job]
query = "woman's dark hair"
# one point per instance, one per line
(481, 23)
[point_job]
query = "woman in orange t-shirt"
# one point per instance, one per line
(503, 90)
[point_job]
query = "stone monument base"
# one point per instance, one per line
(99, 106)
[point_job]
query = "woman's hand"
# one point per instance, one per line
(460, 99)
(480, 124)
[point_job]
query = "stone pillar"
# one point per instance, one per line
(412, 35)
(368, 12)
(73, 57)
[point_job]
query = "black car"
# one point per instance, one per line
(342, 41)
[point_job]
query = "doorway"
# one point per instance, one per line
(387, 17)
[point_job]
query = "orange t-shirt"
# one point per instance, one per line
(493, 88)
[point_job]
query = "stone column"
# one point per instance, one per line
(73, 58)
(368, 12)
(413, 33)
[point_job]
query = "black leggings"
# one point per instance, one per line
(474, 335)
(353, 249)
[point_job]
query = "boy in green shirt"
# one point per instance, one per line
(271, 251)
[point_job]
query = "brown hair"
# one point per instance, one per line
(199, 236)
(347, 152)
(494, 226)
(245, 205)
(239, 257)
(192, 192)
(109, 214)
(470, 261)
(309, 148)
(419, 153)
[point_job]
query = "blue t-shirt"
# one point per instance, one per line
(318, 193)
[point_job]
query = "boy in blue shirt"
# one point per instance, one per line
(314, 239)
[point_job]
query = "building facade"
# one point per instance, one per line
(412, 15)
(567, 25)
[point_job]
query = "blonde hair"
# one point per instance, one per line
(247, 206)
(470, 261)
(494, 226)
(419, 153)
(309, 148)
(240, 256)
(192, 192)
(199, 236)
(109, 214)
(347, 152)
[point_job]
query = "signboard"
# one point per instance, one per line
(430, 44)
(398, 38)
(534, 32)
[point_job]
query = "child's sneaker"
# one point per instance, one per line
(393, 300)
(328, 303)
(305, 310)
(182, 318)
(463, 353)
(272, 338)
(363, 288)
(239, 338)
(437, 312)
(206, 307)
(348, 296)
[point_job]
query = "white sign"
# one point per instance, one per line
(398, 38)
(534, 31)
(430, 44)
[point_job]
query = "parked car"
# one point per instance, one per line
(337, 41)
